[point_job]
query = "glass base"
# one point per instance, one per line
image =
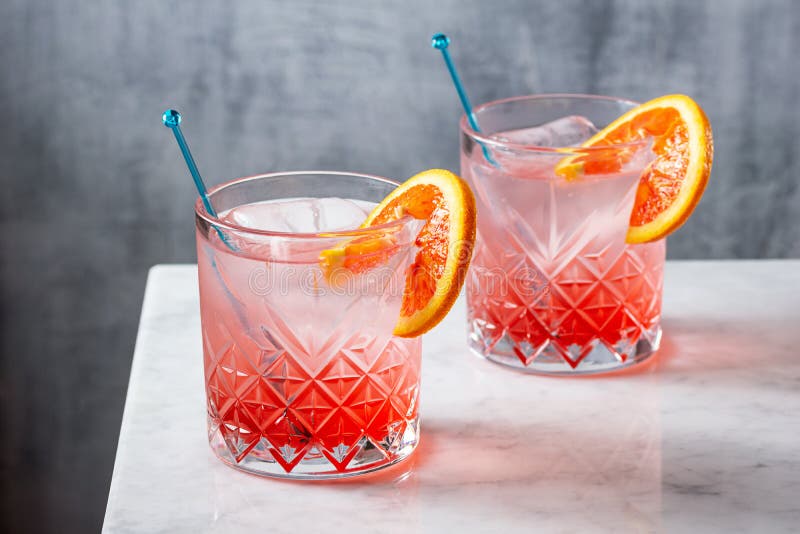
(551, 359)
(363, 457)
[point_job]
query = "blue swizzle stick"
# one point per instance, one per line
(440, 42)
(172, 120)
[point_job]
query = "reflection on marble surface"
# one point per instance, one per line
(702, 438)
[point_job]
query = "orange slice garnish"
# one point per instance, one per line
(445, 244)
(446, 204)
(671, 185)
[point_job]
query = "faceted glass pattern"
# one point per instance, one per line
(303, 376)
(269, 411)
(554, 288)
(596, 313)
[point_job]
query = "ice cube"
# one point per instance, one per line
(258, 216)
(341, 214)
(306, 215)
(566, 131)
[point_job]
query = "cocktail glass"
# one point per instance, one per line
(304, 378)
(554, 288)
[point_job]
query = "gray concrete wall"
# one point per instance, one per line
(94, 191)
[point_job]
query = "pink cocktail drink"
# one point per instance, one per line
(554, 287)
(304, 378)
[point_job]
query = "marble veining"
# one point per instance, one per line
(704, 438)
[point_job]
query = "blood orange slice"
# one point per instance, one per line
(446, 204)
(671, 186)
(445, 244)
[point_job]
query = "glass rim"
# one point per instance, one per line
(200, 210)
(489, 141)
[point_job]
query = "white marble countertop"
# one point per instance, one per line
(703, 438)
